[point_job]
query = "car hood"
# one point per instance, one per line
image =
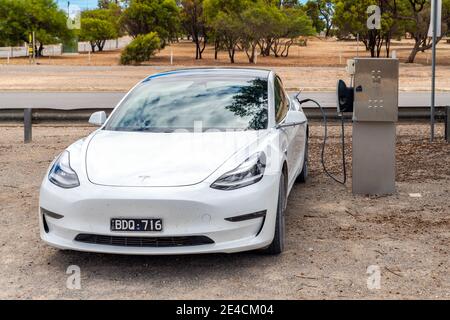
(138, 159)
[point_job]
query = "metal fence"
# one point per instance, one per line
(109, 45)
(15, 52)
(56, 50)
(12, 52)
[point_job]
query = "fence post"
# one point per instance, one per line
(447, 124)
(27, 124)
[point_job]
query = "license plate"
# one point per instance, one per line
(136, 225)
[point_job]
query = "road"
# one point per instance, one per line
(108, 100)
(60, 100)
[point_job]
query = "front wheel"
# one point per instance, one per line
(277, 245)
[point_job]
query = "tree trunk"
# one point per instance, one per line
(328, 26)
(40, 50)
(388, 46)
(100, 45)
(266, 46)
(366, 44)
(202, 48)
(276, 48)
(196, 39)
(267, 50)
(422, 44)
(260, 44)
(380, 41)
(231, 46)
(198, 54)
(231, 54)
(287, 47)
(414, 51)
(251, 52)
(216, 49)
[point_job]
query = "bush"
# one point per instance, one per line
(141, 49)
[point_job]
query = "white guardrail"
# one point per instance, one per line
(56, 50)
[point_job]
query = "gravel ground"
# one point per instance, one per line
(332, 236)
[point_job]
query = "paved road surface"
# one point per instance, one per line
(107, 100)
(60, 100)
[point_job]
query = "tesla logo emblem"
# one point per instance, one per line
(144, 178)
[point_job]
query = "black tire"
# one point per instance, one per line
(277, 245)
(303, 176)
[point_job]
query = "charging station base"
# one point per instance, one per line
(374, 161)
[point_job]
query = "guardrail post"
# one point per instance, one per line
(447, 123)
(27, 125)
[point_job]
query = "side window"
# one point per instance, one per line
(281, 102)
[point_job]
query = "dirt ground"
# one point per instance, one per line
(313, 68)
(118, 78)
(332, 236)
(319, 52)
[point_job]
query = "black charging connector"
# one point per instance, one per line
(325, 121)
(346, 96)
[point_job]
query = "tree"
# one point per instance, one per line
(194, 23)
(250, 24)
(326, 13)
(141, 49)
(229, 27)
(105, 4)
(99, 25)
(350, 18)
(288, 4)
(13, 27)
(97, 31)
(295, 23)
(224, 18)
(312, 10)
(273, 29)
(145, 16)
(417, 21)
(19, 18)
(254, 29)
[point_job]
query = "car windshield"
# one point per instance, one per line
(194, 103)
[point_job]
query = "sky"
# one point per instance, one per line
(83, 4)
(87, 4)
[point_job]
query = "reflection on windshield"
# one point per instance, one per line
(193, 102)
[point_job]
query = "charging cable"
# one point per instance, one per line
(325, 121)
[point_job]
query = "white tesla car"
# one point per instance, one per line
(191, 161)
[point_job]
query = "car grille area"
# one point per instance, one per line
(144, 242)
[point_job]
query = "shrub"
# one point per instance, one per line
(141, 49)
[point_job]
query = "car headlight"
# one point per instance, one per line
(248, 173)
(61, 174)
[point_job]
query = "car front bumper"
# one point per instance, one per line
(186, 211)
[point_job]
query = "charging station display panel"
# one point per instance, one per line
(376, 90)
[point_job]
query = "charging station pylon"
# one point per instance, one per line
(375, 115)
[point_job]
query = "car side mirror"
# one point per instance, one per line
(293, 118)
(98, 119)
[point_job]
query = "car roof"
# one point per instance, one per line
(252, 72)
